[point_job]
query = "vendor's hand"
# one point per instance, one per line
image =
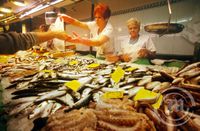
(63, 36)
(143, 53)
(75, 39)
(66, 18)
(125, 57)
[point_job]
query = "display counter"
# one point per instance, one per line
(41, 90)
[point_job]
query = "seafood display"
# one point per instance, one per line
(81, 93)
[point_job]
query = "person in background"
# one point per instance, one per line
(101, 30)
(11, 42)
(136, 46)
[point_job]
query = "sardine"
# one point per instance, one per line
(81, 103)
(20, 107)
(51, 95)
(39, 109)
(47, 109)
(145, 80)
(66, 99)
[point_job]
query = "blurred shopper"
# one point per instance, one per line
(12, 42)
(136, 46)
(101, 30)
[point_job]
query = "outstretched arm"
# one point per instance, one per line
(12, 42)
(73, 21)
(89, 42)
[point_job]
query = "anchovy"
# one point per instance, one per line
(66, 99)
(20, 107)
(194, 65)
(39, 109)
(145, 80)
(55, 107)
(152, 85)
(71, 76)
(81, 103)
(132, 92)
(47, 109)
(51, 95)
(23, 100)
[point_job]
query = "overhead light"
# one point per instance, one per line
(19, 2)
(1, 15)
(6, 9)
(39, 7)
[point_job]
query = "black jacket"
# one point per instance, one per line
(11, 42)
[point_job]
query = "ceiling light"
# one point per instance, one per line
(1, 15)
(19, 2)
(6, 9)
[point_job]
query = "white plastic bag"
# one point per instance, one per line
(57, 43)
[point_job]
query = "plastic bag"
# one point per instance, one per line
(57, 44)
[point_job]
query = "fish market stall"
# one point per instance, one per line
(47, 91)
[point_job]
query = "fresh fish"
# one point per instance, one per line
(132, 92)
(145, 80)
(191, 66)
(105, 72)
(71, 76)
(20, 107)
(23, 85)
(81, 103)
(153, 84)
(55, 107)
(162, 86)
(66, 99)
(97, 96)
(177, 80)
(85, 92)
(39, 109)
(84, 80)
(51, 95)
(22, 100)
(127, 87)
(47, 109)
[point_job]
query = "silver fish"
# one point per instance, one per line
(47, 109)
(55, 107)
(145, 80)
(152, 85)
(39, 109)
(20, 107)
(51, 95)
(67, 99)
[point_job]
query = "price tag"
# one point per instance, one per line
(143, 93)
(113, 94)
(74, 85)
(93, 65)
(4, 59)
(131, 69)
(74, 62)
(117, 74)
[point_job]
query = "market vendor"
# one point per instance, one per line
(136, 46)
(101, 30)
(11, 42)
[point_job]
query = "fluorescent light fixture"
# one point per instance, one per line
(19, 2)
(38, 8)
(6, 9)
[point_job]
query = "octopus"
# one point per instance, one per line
(75, 120)
(122, 120)
(106, 116)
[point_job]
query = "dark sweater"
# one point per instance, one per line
(11, 42)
